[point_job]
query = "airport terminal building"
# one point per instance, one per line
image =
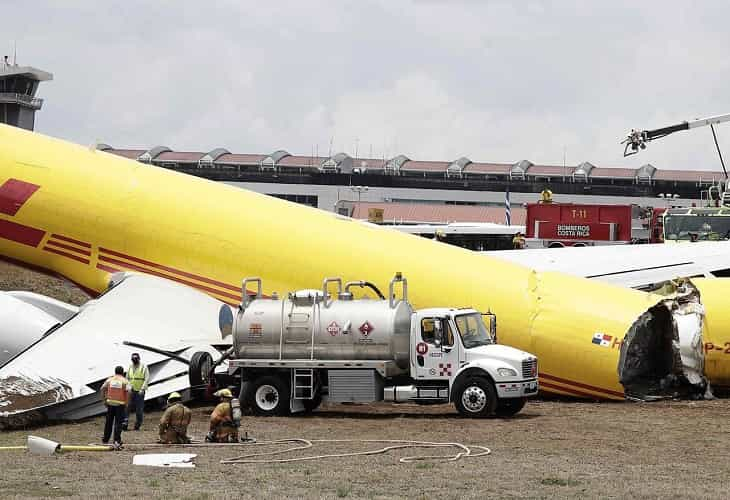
(417, 191)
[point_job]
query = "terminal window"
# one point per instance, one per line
(303, 199)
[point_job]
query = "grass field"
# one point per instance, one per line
(551, 449)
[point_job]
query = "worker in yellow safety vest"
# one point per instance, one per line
(115, 392)
(139, 379)
(174, 422)
(223, 426)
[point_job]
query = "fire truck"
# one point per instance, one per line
(555, 225)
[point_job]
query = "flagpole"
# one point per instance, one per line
(507, 208)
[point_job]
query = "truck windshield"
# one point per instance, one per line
(696, 227)
(472, 330)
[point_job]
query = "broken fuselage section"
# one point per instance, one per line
(662, 354)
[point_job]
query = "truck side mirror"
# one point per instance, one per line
(437, 342)
(491, 323)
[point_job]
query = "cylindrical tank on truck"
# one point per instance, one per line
(291, 353)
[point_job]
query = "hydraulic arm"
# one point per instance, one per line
(637, 139)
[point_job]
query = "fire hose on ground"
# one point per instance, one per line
(394, 444)
(47, 447)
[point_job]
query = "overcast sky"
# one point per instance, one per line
(490, 80)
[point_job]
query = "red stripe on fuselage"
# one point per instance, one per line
(66, 254)
(575, 392)
(71, 240)
(581, 385)
(107, 268)
(69, 247)
(172, 270)
(19, 233)
(13, 194)
(113, 270)
(134, 267)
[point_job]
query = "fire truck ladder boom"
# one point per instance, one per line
(637, 139)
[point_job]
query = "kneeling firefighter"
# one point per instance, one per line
(174, 422)
(225, 419)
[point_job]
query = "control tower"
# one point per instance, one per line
(18, 87)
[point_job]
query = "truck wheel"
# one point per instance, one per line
(244, 394)
(269, 396)
(475, 397)
(510, 407)
(199, 369)
(312, 404)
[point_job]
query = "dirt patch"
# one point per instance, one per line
(551, 449)
(14, 277)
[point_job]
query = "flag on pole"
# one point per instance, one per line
(507, 209)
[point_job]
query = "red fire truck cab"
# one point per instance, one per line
(554, 225)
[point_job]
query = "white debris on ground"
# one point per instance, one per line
(177, 460)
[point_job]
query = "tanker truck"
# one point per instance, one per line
(292, 353)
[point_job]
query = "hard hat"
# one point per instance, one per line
(173, 396)
(224, 393)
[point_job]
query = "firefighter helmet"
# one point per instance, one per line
(224, 393)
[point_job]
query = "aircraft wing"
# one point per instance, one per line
(21, 324)
(60, 374)
(633, 266)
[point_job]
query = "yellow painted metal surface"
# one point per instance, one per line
(714, 294)
(93, 213)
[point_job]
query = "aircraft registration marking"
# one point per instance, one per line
(725, 348)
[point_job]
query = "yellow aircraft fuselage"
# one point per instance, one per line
(85, 214)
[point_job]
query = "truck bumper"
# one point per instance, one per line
(518, 389)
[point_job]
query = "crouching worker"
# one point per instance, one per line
(174, 422)
(225, 419)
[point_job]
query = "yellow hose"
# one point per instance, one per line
(62, 449)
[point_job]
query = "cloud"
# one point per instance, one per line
(491, 80)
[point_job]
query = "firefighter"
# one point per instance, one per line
(518, 241)
(115, 393)
(223, 426)
(174, 422)
(139, 379)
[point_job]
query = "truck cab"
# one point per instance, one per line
(455, 356)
